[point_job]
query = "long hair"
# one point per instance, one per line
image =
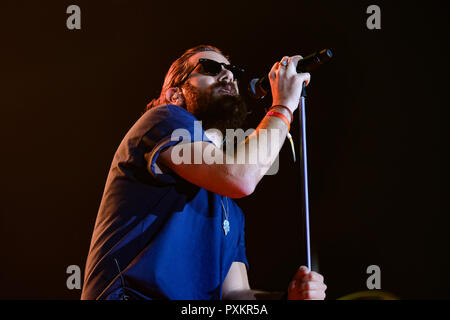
(177, 71)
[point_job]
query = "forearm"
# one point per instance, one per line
(256, 154)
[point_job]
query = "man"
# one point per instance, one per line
(170, 230)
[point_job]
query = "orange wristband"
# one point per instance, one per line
(281, 116)
(285, 108)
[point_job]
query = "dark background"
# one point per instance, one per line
(374, 116)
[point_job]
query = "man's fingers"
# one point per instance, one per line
(284, 60)
(301, 272)
(306, 285)
(292, 68)
(272, 72)
(311, 276)
(313, 295)
(314, 276)
(304, 77)
(282, 65)
(293, 61)
(311, 286)
(318, 294)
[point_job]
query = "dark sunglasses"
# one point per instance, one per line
(213, 68)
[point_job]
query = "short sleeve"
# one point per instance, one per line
(171, 125)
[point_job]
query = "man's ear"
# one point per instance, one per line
(175, 96)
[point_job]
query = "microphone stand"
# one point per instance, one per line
(304, 172)
(259, 88)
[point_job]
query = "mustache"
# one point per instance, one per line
(225, 85)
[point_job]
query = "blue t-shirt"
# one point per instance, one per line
(156, 235)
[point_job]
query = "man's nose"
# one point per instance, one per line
(226, 75)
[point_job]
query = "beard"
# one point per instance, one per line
(216, 111)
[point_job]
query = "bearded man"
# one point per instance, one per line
(170, 230)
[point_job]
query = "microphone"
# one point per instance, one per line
(258, 88)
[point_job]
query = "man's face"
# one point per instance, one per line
(202, 82)
(214, 100)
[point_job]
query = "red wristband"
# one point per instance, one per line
(284, 107)
(281, 116)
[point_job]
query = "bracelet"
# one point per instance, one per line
(281, 116)
(284, 107)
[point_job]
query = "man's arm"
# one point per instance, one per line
(232, 178)
(236, 286)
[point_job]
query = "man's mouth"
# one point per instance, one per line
(226, 90)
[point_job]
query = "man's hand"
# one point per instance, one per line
(286, 83)
(306, 285)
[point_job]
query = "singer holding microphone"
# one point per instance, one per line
(170, 230)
